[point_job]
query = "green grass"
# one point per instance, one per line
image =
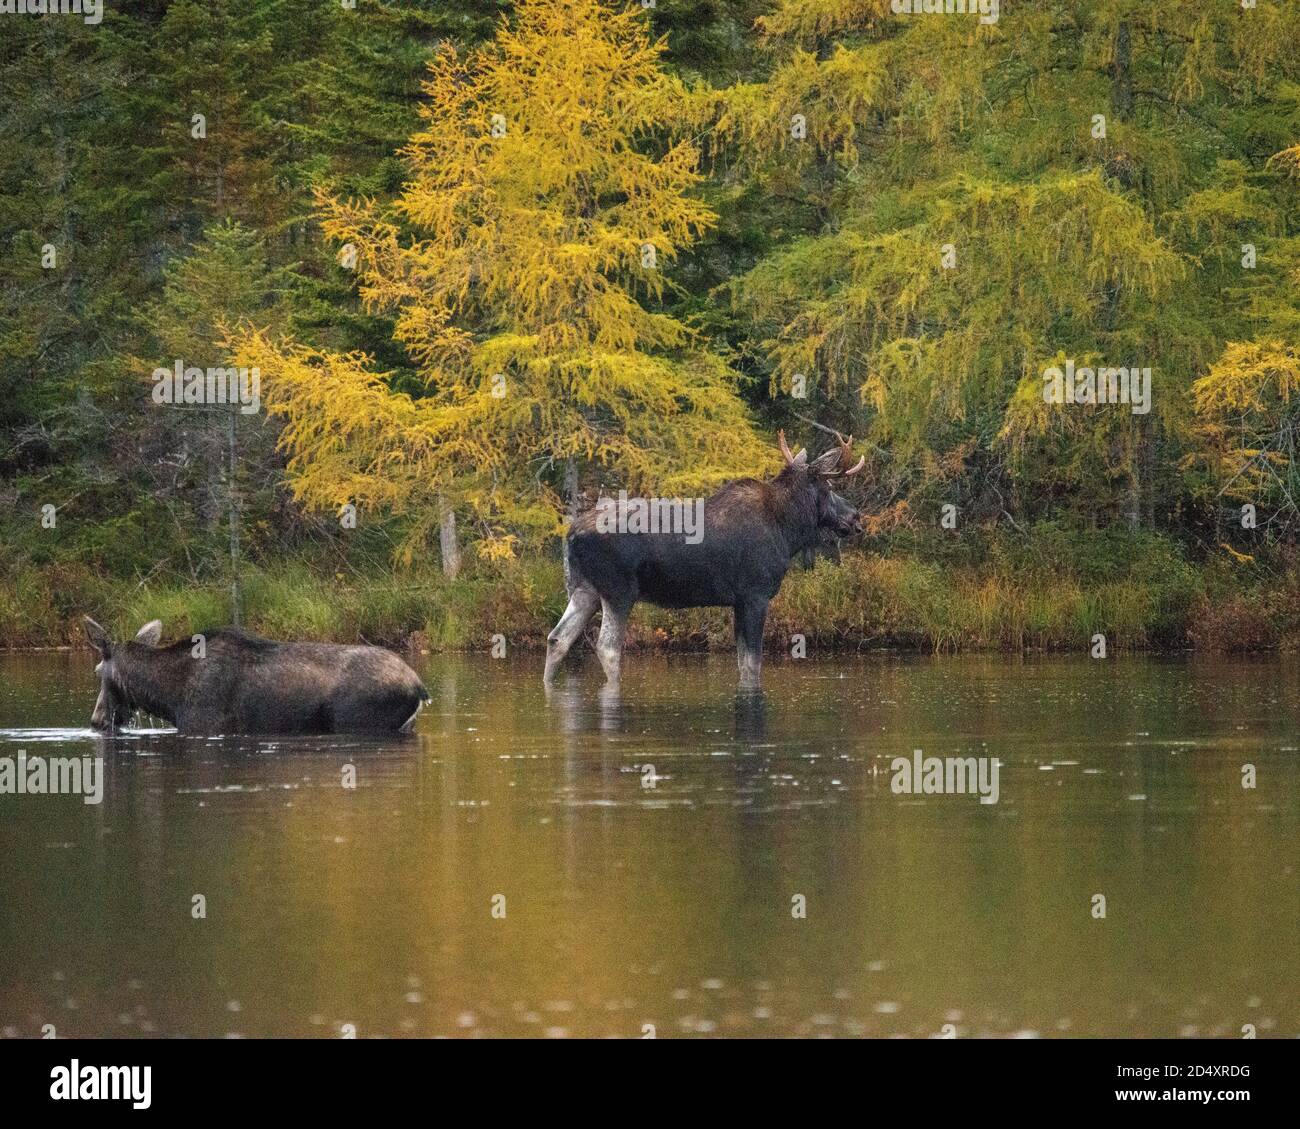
(1050, 593)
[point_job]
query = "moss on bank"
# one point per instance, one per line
(1053, 592)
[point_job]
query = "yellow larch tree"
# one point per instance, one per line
(524, 262)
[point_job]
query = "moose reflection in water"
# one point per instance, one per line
(752, 532)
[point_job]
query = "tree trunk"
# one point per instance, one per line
(233, 496)
(1133, 501)
(447, 540)
(571, 485)
(1121, 73)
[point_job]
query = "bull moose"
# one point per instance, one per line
(752, 531)
(239, 683)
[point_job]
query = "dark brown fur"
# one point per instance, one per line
(240, 683)
(752, 531)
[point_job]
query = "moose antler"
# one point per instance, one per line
(790, 459)
(846, 453)
(785, 447)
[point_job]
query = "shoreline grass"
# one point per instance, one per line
(866, 601)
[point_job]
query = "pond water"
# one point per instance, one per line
(679, 857)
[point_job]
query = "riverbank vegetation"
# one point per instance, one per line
(491, 259)
(1053, 591)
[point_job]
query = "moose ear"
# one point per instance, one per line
(801, 459)
(150, 633)
(826, 462)
(97, 635)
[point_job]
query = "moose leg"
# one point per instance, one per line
(583, 603)
(609, 646)
(750, 617)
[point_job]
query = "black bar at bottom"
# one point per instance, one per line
(608, 1079)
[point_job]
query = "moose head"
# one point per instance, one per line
(119, 674)
(812, 481)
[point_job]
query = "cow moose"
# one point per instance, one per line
(240, 683)
(752, 531)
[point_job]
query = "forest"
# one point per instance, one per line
(488, 261)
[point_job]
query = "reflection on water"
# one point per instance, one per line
(650, 849)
